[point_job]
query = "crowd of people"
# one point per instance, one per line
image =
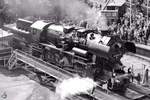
(138, 30)
(135, 29)
(134, 25)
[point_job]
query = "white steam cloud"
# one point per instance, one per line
(96, 19)
(23, 8)
(74, 86)
(73, 11)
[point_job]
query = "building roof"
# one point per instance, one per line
(116, 3)
(39, 25)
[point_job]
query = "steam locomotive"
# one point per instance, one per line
(78, 50)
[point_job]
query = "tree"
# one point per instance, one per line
(2, 8)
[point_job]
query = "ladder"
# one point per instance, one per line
(38, 64)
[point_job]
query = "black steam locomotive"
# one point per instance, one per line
(75, 49)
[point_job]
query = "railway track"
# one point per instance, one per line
(60, 74)
(134, 93)
(57, 73)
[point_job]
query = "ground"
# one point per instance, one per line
(17, 86)
(139, 65)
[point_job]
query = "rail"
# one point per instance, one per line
(140, 89)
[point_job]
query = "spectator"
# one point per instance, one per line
(138, 78)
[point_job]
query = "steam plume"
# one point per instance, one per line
(23, 8)
(72, 11)
(74, 86)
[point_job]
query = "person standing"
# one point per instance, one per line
(145, 77)
(138, 78)
(147, 34)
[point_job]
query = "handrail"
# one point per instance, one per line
(43, 66)
(5, 52)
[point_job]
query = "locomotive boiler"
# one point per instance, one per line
(75, 49)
